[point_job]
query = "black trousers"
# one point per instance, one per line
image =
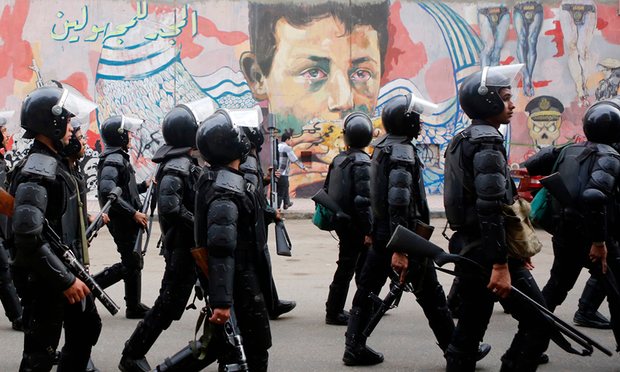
(8, 293)
(283, 190)
(46, 313)
(351, 257)
(423, 276)
(570, 256)
(476, 308)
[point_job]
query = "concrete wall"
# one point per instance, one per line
(141, 58)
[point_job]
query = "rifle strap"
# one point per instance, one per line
(85, 255)
(200, 352)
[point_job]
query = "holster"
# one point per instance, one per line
(201, 256)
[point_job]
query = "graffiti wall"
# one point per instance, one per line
(310, 65)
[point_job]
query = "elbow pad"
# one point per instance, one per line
(30, 207)
(169, 201)
(221, 243)
(490, 174)
(399, 192)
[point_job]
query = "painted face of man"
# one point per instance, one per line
(5, 136)
(320, 71)
(544, 132)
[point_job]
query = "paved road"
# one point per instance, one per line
(302, 342)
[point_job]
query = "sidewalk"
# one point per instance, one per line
(304, 208)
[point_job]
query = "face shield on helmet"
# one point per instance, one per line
(129, 124)
(499, 77)
(75, 104)
(5, 116)
(420, 106)
(251, 118)
(201, 109)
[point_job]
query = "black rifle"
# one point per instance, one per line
(390, 301)
(406, 241)
(97, 224)
(68, 258)
(137, 248)
(323, 198)
(193, 356)
(283, 242)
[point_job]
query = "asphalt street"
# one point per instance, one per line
(301, 339)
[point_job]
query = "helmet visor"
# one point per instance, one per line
(75, 104)
(5, 116)
(420, 106)
(501, 76)
(246, 117)
(201, 109)
(130, 124)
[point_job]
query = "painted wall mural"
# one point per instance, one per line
(312, 64)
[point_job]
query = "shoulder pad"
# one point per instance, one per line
(115, 160)
(480, 133)
(360, 157)
(249, 165)
(41, 165)
(402, 152)
(229, 181)
(181, 166)
(606, 149)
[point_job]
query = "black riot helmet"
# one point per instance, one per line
(255, 136)
(220, 141)
(42, 114)
(357, 130)
(181, 123)
(401, 115)
(601, 123)
(115, 130)
(479, 93)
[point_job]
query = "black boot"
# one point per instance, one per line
(110, 275)
(356, 353)
(282, 307)
(337, 319)
(458, 361)
(334, 307)
(140, 342)
(91, 366)
(133, 291)
(591, 299)
(184, 360)
(518, 364)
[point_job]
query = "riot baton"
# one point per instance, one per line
(406, 241)
(92, 229)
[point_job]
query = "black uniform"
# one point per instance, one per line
(477, 184)
(348, 184)
(398, 198)
(591, 172)
(176, 179)
(114, 169)
(226, 214)
(44, 187)
(253, 174)
(8, 294)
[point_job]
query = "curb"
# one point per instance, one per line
(306, 215)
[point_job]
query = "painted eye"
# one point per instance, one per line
(361, 76)
(551, 128)
(313, 74)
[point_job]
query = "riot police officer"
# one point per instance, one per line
(253, 174)
(225, 224)
(126, 220)
(477, 185)
(8, 294)
(398, 198)
(584, 235)
(52, 296)
(348, 184)
(177, 174)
